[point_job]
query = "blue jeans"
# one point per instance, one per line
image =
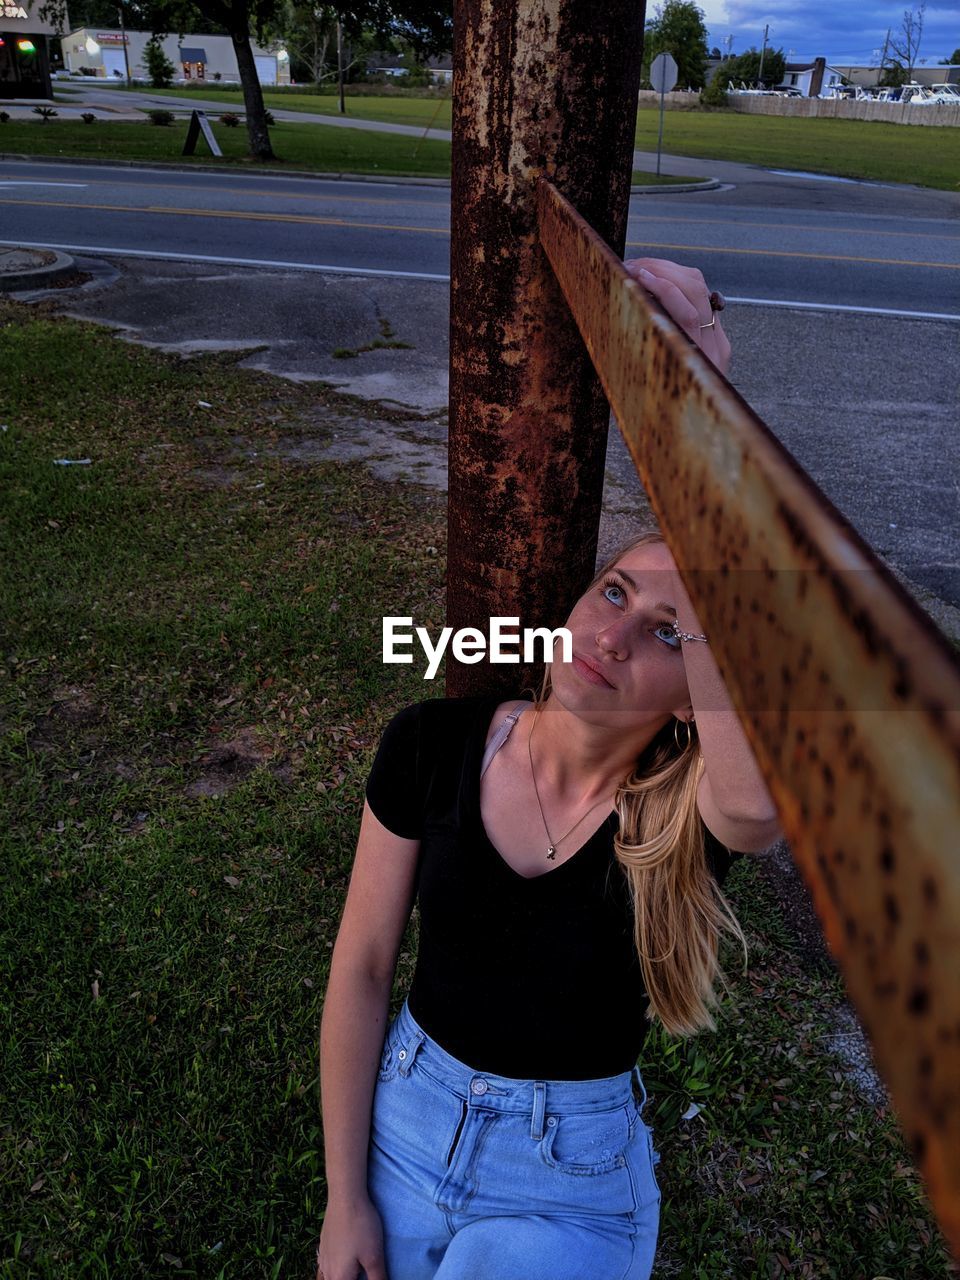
(483, 1177)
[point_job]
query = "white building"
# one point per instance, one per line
(811, 79)
(193, 57)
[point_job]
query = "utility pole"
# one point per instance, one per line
(883, 56)
(528, 418)
(766, 32)
(123, 41)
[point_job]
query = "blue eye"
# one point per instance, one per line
(668, 627)
(613, 593)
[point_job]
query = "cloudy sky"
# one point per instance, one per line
(840, 30)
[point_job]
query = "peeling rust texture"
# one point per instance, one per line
(849, 694)
(539, 88)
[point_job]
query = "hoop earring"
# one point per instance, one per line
(676, 736)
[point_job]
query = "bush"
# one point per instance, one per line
(45, 113)
(88, 71)
(160, 117)
(159, 67)
(217, 75)
(230, 119)
(4, 117)
(87, 117)
(714, 95)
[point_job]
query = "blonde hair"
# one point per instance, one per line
(679, 909)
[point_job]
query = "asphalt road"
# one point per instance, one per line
(866, 401)
(866, 253)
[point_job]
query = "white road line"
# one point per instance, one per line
(10, 182)
(328, 269)
(322, 268)
(839, 306)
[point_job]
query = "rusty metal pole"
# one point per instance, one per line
(541, 87)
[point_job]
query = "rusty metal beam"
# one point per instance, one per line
(540, 87)
(849, 694)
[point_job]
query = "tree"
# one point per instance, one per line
(952, 61)
(892, 76)
(715, 94)
(746, 67)
(159, 67)
(678, 28)
(905, 45)
(308, 32)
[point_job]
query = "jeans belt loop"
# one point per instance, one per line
(539, 1107)
(410, 1052)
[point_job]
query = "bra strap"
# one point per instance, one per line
(503, 731)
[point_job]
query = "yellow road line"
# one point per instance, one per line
(274, 195)
(312, 220)
(244, 215)
(425, 204)
(790, 253)
(790, 226)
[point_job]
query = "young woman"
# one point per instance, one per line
(567, 855)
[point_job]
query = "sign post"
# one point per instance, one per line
(663, 76)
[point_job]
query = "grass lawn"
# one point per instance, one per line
(302, 146)
(193, 694)
(392, 110)
(845, 148)
(299, 146)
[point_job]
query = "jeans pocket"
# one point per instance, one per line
(586, 1143)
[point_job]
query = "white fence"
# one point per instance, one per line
(837, 109)
(820, 108)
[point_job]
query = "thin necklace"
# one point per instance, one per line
(551, 843)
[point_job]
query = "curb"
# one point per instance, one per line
(171, 166)
(40, 277)
(673, 188)
(668, 188)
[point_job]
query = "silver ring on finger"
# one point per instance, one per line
(710, 325)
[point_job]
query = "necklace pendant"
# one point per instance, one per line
(551, 852)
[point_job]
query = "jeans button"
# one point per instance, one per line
(402, 1055)
(478, 1086)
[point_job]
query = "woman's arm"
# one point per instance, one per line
(354, 1023)
(732, 798)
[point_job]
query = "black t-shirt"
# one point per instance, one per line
(533, 978)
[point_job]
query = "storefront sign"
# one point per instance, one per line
(14, 11)
(111, 37)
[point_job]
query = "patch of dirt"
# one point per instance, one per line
(780, 871)
(217, 477)
(228, 763)
(73, 708)
(76, 706)
(72, 282)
